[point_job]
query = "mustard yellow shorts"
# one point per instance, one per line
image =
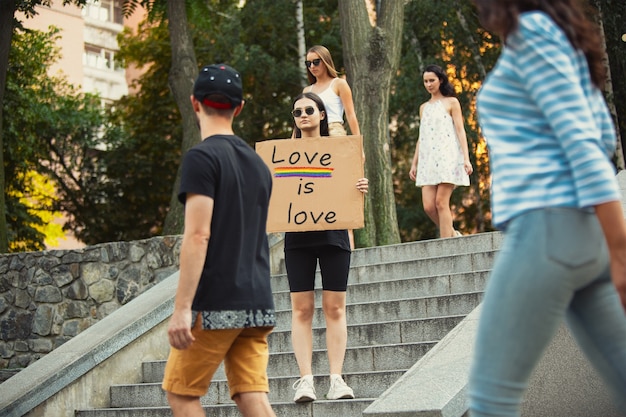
(245, 354)
(336, 129)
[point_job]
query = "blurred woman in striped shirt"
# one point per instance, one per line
(555, 196)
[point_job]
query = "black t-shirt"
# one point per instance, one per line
(234, 290)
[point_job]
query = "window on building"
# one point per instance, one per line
(101, 58)
(104, 10)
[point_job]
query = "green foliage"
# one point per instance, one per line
(260, 40)
(143, 137)
(260, 50)
(31, 207)
(106, 165)
(114, 168)
(251, 39)
(38, 110)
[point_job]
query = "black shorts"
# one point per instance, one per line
(334, 266)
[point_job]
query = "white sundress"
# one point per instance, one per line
(440, 158)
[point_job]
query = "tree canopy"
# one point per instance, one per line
(114, 169)
(43, 117)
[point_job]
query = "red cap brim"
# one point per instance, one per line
(216, 105)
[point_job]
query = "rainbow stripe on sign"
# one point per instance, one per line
(308, 172)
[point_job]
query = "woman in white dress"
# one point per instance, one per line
(441, 160)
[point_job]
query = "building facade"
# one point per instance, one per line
(88, 44)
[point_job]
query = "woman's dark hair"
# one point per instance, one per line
(444, 84)
(501, 17)
(320, 106)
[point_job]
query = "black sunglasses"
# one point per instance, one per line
(315, 63)
(298, 112)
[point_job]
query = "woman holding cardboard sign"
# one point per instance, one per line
(302, 252)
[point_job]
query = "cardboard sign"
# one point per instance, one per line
(314, 183)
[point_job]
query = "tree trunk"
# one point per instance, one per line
(611, 15)
(476, 55)
(471, 41)
(372, 55)
(7, 11)
(301, 42)
(182, 75)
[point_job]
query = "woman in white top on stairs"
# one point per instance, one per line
(334, 92)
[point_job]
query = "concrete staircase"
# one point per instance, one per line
(402, 300)
(411, 321)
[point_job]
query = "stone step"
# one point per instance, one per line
(399, 309)
(400, 288)
(376, 333)
(363, 369)
(443, 265)
(357, 359)
(431, 248)
(361, 335)
(401, 300)
(361, 361)
(368, 384)
(319, 408)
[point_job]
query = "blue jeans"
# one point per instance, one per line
(553, 265)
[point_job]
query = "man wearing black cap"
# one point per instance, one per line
(223, 310)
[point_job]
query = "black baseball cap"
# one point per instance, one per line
(218, 80)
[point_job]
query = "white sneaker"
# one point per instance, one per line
(305, 391)
(338, 388)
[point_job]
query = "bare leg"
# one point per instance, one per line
(442, 202)
(254, 404)
(303, 307)
(185, 406)
(351, 238)
(429, 196)
(334, 306)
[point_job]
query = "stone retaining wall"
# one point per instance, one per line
(48, 297)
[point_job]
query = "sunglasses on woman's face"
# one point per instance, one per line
(315, 63)
(298, 112)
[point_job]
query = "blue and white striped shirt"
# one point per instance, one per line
(548, 129)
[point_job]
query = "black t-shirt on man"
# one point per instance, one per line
(234, 290)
